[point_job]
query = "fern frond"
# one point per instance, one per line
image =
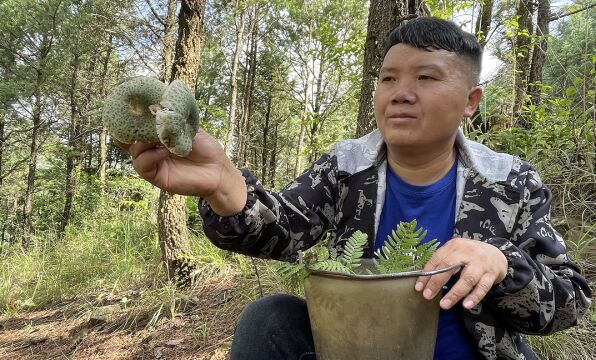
(333, 266)
(333, 254)
(404, 250)
(426, 251)
(354, 250)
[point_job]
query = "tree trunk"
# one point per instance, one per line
(249, 103)
(9, 62)
(522, 60)
(539, 52)
(273, 158)
(482, 29)
(2, 116)
(33, 151)
(234, 82)
(265, 150)
(87, 90)
(317, 121)
(103, 147)
(239, 125)
(244, 125)
(168, 41)
(73, 147)
(188, 45)
(171, 218)
(44, 49)
(383, 17)
(483, 22)
(304, 119)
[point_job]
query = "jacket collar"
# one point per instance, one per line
(493, 166)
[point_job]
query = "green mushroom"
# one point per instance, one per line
(146, 110)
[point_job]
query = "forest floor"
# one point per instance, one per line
(201, 328)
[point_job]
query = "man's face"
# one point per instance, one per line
(421, 97)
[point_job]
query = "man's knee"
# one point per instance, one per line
(274, 311)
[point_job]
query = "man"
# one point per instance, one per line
(490, 211)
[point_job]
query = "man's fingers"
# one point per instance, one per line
(466, 283)
(480, 291)
(121, 145)
(435, 283)
(434, 263)
(138, 148)
(146, 160)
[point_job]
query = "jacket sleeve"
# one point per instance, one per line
(278, 225)
(543, 291)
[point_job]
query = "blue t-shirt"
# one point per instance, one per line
(433, 207)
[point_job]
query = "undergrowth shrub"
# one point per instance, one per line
(114, 246)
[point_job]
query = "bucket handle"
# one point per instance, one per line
(406, 274)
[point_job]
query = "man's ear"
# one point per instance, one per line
(474, 97)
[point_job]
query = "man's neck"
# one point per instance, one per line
(421, 168)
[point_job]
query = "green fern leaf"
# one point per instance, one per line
(333, 254)
(404, 250)
(354, 250)
(333, 266)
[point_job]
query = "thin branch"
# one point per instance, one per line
(155, 14)
(559, 16)
(13, 168)
(20, 56)
(134, 48)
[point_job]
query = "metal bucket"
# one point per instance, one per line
(371, 316)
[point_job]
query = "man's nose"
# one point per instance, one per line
(403, 92)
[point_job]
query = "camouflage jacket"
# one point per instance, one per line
(500, 200)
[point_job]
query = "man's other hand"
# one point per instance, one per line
(484, 266)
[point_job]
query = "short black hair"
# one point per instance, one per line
(435, 33)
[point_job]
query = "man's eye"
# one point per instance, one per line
(387, 79)
(425, 77)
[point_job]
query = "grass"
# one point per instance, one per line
(111, 255)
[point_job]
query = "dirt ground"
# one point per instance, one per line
(201, 328)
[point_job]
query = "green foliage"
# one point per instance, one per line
(447, 9)
(119, 252)
(348, 260)
(403, 250)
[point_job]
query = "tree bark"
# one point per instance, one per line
(2, 121)
(522, 60)
(265, 150)
(31, 175)
(383, 17)
(168, 41)
(173, 235)
(44, 50)
(7, 64)
(103, 147)
(73, 155)
(305, 114)
(190, 38)
(317, 120)
(483, 22)
(273, 158)
(244, 125)
(234, 82)
(539, 52)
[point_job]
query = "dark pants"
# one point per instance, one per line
(274, 327)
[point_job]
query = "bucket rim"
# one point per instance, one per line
(405, 274)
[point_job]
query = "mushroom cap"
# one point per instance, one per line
(146, 110)
(126, 112)
(177, 121)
